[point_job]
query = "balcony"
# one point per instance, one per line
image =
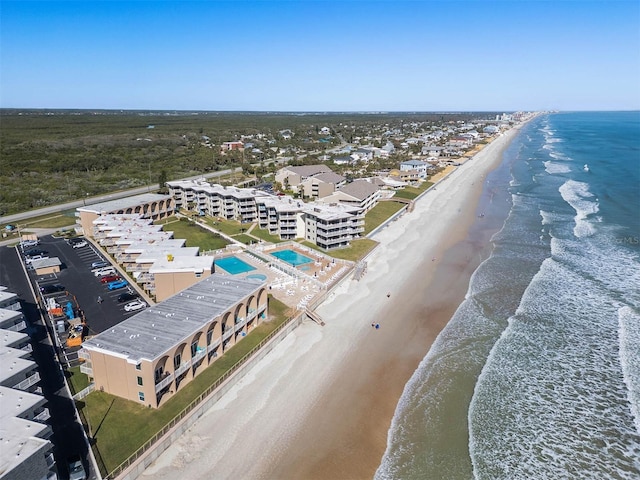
(184, 366)
(86, 369)
(213, 345)
(200, 354)
(18, 327)
(227, 334)
(43, 416)
(166, 379)
(28, 382)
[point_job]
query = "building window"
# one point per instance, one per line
(141, 395)
(194, 349)
(139, 366)
(139, 380)
(177, 360)
(198, 274)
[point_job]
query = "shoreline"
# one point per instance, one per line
(320, 405)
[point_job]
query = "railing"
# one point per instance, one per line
(18, 327)
(84, 392)
(164, 382)
(86, 369)
(227, 334)
(152, 441)
(28, 382)
(43, 416)
(214, 345)
(184, 366)
(199, 354)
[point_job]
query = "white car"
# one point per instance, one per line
(81, 244)
(104, 271)
(135, 305)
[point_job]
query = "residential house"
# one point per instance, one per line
(418, 165)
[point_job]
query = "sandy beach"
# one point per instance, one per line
(319, 406)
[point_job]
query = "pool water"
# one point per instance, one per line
(233, 265)
(257, 276)
(292, 257)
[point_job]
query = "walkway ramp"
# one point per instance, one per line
(314, 316)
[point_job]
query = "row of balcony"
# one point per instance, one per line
(28, 382)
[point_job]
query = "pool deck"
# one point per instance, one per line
(299, 286)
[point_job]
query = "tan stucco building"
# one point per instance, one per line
(152, 355)
(149, 205)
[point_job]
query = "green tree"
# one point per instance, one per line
(162, 181)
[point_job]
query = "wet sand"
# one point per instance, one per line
(319, 406)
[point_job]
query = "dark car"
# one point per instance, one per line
(127, 297)
(52, 288)
(76, 470)
(34, 251)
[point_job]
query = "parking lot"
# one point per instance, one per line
(79, 303)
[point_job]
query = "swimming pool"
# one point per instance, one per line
(257, 276)
(233, 265)
(292, 257)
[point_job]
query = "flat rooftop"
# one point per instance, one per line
(182, 264)
(151, 333)
(9, 338)
(12, 363)
(123, 203)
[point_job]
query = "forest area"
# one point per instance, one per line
(51, 157)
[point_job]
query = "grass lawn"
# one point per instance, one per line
(265, 235)
(378, 214)
(77, 381)
(119, 427)
(228, 227)
(358, 249)
(246, 239)
(194, 235)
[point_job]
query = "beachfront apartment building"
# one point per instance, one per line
(147, 205)
(334, 225)
(282, 215)
(361, 194)
(155, 353)
(26, 451)
(160, 264)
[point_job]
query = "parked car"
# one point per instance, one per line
(29, 260)
(117, 284)
(29, 243)
(81, 244)
(76, 470)
(35, 251)
(125, 297)
(110, 278)
(102, 272)
(71, 241)
(52, 288)
(100, 264)
(135, 305)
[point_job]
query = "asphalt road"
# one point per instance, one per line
(102, 198)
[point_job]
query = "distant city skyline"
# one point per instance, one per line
(321, 56)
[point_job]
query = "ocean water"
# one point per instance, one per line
(537, 375)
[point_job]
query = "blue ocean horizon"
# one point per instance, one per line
(537, 375)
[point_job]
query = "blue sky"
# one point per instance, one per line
(321, 55)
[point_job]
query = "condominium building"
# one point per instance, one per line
(26, 451)
(282, 215)
(147, 205)
(155, 353)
